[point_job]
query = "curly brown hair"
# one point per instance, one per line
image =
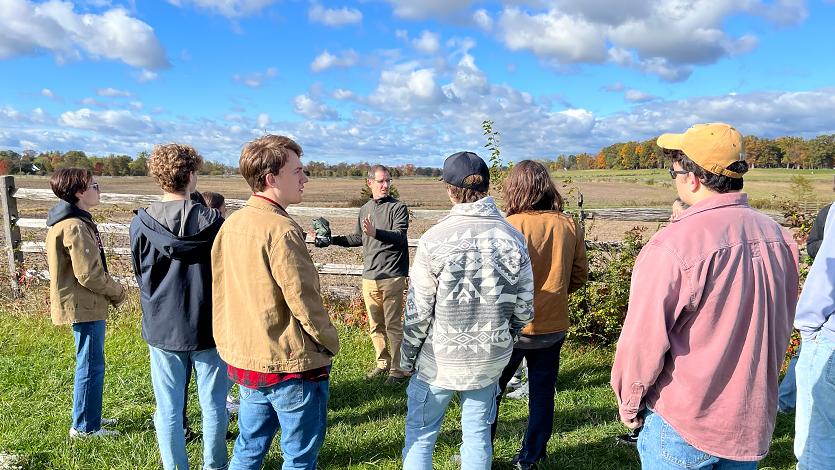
(528, 187)
(263, 156)
(171, 165)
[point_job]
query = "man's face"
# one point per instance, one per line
(680, 182)
(289, 183)
(380, 185)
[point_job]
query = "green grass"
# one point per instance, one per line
(366, 419)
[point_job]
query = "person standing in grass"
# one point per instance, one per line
(381, 231)
(80, 291)
(471, 293)
(712, 299)
(269, 321)
(171, 243)
(557, 249)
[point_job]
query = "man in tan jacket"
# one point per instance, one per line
(269, 323)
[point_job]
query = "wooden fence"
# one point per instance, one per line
(15, 247)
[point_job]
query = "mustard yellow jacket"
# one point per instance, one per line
(79, 288)
(268, 314)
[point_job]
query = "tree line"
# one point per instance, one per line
(44, 163)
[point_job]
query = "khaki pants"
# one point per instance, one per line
(384, 304)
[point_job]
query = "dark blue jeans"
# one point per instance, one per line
(543, 368)
(89, 375)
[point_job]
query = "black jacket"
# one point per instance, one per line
(813, 242)
(174, 273)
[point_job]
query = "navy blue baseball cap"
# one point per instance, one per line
(459, 166)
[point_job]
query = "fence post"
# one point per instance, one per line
(11, 232)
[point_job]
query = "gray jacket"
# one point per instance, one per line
(386, 255)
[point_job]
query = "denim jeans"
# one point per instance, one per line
(168, 376)
(426, 407)
(814, 439)
(662, 448)
(299, 407)
(787, 391)
(88, 385)
(543, 368)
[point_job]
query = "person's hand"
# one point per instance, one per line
(678, 208)
(632, 423)
(368, 226)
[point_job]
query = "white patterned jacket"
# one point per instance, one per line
(470, 294)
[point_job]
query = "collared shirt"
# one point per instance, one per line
(712, 300)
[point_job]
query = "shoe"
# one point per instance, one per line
(629, 439)
(520, 394)
(514, 383)
(395, 380)
(455, 459)
(232, 404)
(100, 433)
(109, 421)
(376, 372)
(521, 465)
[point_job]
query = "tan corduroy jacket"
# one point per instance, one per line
(558, 257)
(268, 314)
(79, 288)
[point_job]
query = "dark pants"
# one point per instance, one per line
(543, 367)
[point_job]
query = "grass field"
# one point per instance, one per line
(366, 419)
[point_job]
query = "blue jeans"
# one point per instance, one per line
(426, 407)
(662, 448)
(787, 391)
(168, 376)
(543, 368)
(299, 407)
(814, 438)
(88, 386)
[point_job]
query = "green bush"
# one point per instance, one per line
(597, 310)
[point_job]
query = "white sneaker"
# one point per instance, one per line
(520, 393)
(100, 433)
(515, 382)
(233, 404)
(109, 421)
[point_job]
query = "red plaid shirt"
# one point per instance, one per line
(253, 379)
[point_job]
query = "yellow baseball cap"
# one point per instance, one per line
(713, 147)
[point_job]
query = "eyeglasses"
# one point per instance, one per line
(383, 181)
(95, 186)
(674, 173)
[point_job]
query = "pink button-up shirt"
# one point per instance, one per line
(711, 307)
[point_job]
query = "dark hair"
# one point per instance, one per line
(66, 182)
(469, 195)
(529, 187)
(718, 183)
(213, 200)
(265, 155)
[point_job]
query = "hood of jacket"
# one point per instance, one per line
(64, 210)
(186, 247)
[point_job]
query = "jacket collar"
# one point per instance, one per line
(737, 198)
(263, 203)
(482, 208)
(382, 199)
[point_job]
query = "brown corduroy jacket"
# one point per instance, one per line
(558, 257)
(268, 314)
(79, 288)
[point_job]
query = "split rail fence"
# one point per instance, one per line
(16, 247)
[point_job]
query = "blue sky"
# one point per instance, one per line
(400, 81)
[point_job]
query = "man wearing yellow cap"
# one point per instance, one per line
(711, 306)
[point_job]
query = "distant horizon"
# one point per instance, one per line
(399, 81)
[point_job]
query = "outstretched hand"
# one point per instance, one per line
(368, 226)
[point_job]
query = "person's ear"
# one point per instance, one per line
(269, 180)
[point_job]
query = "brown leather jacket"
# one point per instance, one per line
(558, 258)
(268, 314)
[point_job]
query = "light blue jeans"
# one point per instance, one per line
(787, 391)
(426, 407)
(814, 437)
(662, 448)
(168, 376)
(299, 407)
(88, 385)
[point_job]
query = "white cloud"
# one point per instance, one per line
(112, 92)
(343, 94)
(483, 20)
(256, 80)
(326, 60)
(422, 9)
(427, 43)
(137, 105)
(117, 122)
(47, 93)
(553, 35)
(54, 26)
(263, 121)
(637, 96)
(227, 8)
(333, 16)
(313, 109)
(146, 76)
